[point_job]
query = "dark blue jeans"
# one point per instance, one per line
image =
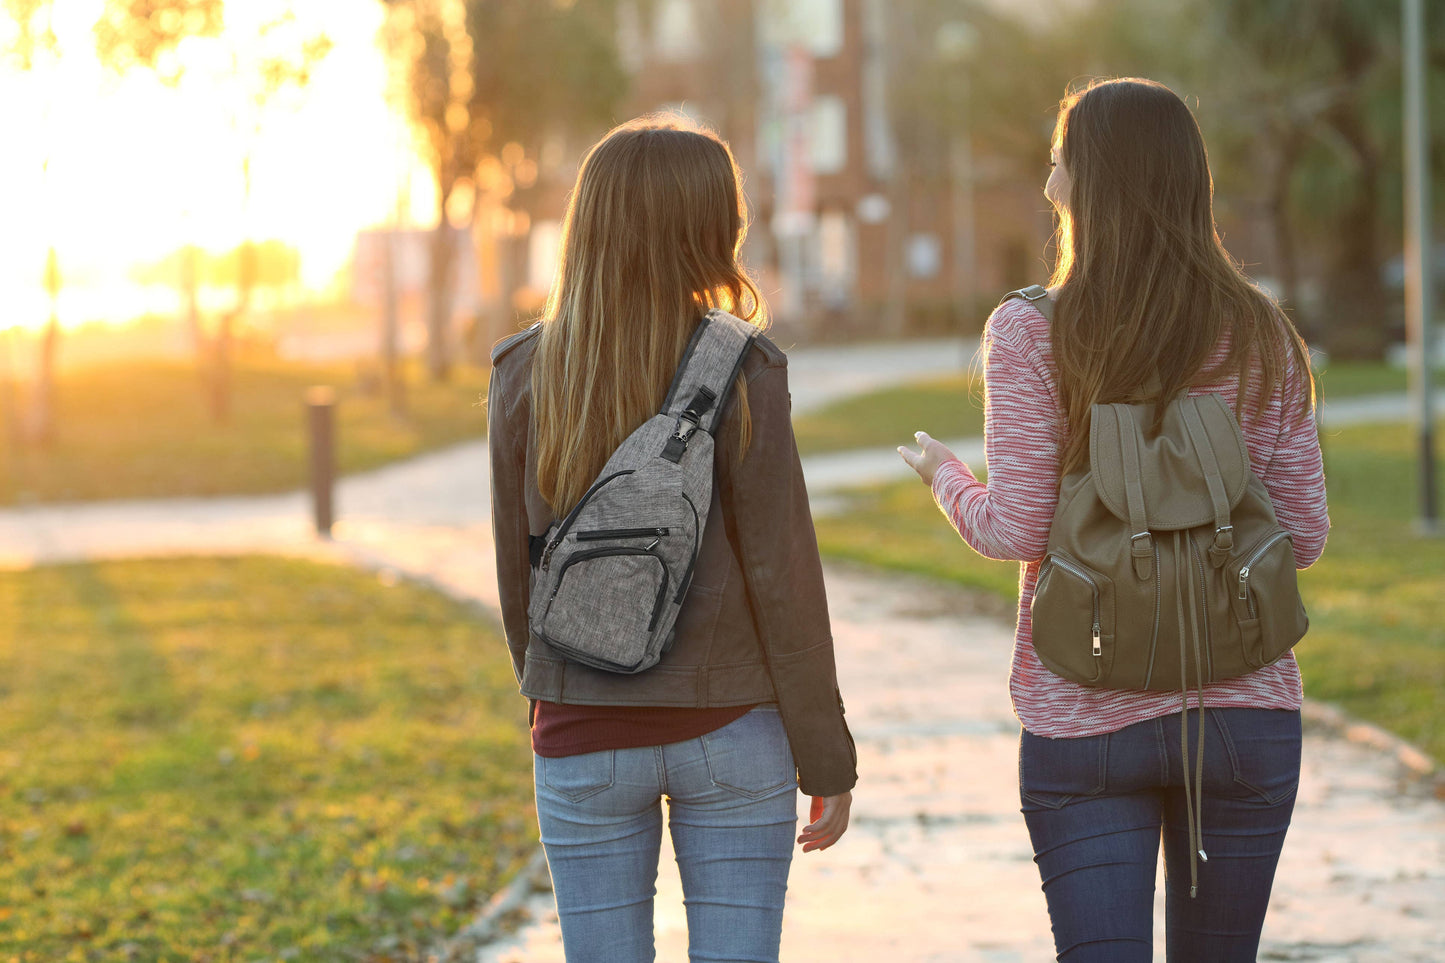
(1095, 808)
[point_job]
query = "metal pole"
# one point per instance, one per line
(320, 408)
(1419, 253)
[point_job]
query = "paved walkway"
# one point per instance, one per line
(937, 865)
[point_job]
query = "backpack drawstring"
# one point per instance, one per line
(1193, 794)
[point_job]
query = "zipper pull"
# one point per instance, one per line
(1098, 646)
(1244, 584)
(547, 555)
(654, 544)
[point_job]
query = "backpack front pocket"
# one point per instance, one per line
(606, 605)
(1266, 600)
(1073, 620)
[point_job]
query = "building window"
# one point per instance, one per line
(836, 259)
(675, 33)
(820, 25)
(925, 256)
(829, 134)
(631, 48)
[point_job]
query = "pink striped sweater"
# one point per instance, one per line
(1009, 517)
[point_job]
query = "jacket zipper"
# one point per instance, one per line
(1244, 595)
(1060, 561)
(572, 515)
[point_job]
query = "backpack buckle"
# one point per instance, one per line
(687, 425)
(1141, 546)
(1223, 545)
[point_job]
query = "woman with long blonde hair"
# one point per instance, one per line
(1147, 305)
(743, 710)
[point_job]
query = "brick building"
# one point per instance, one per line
(853, 234)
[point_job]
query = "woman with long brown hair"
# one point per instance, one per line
(743, 710)
(1147, 305)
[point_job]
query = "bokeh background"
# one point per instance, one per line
(217, 743)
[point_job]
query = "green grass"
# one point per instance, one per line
(143, 430)
(949, 407)
(1376, 644)
(953, 408)
(247, 759)
(1348, 379)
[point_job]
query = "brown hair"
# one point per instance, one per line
(650, 242)
(1145, 286)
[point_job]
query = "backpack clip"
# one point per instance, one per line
(687, 423)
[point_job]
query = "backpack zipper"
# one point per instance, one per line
(1098, 648)
(682, 586)
(1244, 570)
(572, 515)
(621, 533)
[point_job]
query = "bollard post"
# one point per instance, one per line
(320, 409)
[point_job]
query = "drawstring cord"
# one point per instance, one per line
(1193, 795)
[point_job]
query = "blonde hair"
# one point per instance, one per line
(1145, 284)
(650, 242)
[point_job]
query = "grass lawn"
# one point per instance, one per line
(1376, 644)
(143, 430)
(949, 407)
(953, 408)
(249, 759)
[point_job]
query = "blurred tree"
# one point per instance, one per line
(146, 34)
(1299, 101)
(32, 45)
(486, 82)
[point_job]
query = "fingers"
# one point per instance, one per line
(829, 825)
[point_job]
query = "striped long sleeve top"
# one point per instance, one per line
(1009, 518)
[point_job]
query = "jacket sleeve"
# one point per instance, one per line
(507, 448)
(765, 505)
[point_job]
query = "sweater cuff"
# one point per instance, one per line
(951, 473)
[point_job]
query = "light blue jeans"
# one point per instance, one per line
(732, 810)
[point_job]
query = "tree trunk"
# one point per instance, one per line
(1354, 314)
(218, 381)
(40, 420)
(393, 380)
(1285, 159)
(41, 427)
(439, 300)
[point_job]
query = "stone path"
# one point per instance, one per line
(936, 866)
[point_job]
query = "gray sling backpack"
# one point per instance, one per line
(611, 577)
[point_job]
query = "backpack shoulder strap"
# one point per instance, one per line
(1035, 294)
(709, 365)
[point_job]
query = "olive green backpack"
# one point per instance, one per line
(1166, 567)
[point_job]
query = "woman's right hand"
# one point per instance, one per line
(829, 815)
(926, 462)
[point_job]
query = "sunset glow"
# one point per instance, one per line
(118, 172)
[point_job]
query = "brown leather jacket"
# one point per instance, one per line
(754, 628)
